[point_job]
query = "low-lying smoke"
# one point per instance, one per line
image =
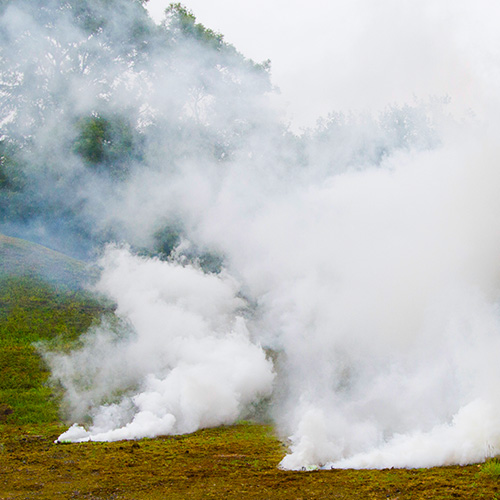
(362, 255)
(380, 288)
(182, 357)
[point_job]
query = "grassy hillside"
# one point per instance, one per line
(23, 258)
(239, 461)
(41, 299)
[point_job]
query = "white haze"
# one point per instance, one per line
(363, 253)
(358, 54)
(380, 289)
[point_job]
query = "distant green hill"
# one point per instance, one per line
(23, 258)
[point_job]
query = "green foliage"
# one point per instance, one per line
(91, 142)
(63, 85)
(93, 16)
(182, 21)
(12, 183)
(169, 237)
(166, 239)
(11, 167)
(179, 17)
(107, 143)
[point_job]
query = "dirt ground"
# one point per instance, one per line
(238, 461)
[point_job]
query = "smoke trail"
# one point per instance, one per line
(363, 252)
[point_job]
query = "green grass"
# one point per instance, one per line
(23, 258)
(491, 468)
(32, 311)
(41, 301)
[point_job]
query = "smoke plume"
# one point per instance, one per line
(346, 277)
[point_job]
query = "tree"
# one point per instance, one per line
(107, 143)
(92, 91)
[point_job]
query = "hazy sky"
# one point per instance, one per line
(359, 54)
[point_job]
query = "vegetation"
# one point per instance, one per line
(107, 143)
(76, 109)
(71, 127)
(238, 461)
(21, 258)
(226, 462)
(492, 468)
(35, 309)
(31, 311)
(185, 21)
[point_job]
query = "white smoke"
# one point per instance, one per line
(364, 253)
(378, 288)
(187, 361)
(381, 289)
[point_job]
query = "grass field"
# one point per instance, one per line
(239, 461)
(229, 462)
(32, 311)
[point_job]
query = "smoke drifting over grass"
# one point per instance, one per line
(363, 252)
(188, 361)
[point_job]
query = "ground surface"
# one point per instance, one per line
(231, 462)
(240, 461)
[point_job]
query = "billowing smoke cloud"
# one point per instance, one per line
(183, 360)
(363, 253)
(380, 288)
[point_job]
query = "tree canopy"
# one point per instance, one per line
(95, 89)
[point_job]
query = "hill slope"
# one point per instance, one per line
(23, 258)
(41, 299)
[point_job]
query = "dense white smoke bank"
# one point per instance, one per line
(364, 253)
(380, 288)
(377, 288)
(187, 361)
